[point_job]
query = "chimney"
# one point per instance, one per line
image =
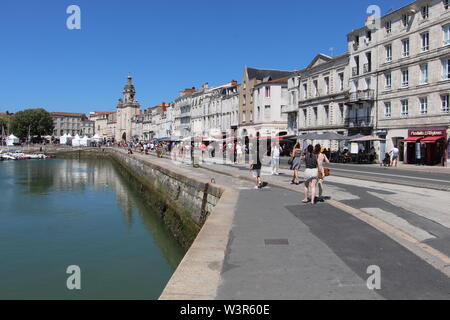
(233, 82)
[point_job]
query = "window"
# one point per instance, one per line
(369, 36)
(425, 41)
(424, 74)
(341, 81)
(425, 10)
(305, 91)
(258, 114)
(446, 69)
(389, 53)
(405, 46)
(244, 116)
(388, 27)
(315, 115)
(388, 77)
(445, 2)
(327, 85)
(368, 83)
(445, 99)
(405, 78)
(341, 111)
(387, 109)
(326, 114)
(267, 112)
(267, 92)
(446, 35)
(405, 20)
(423, 106)
(316, 88)
(405, 108)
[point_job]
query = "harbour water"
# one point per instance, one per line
(58, 213)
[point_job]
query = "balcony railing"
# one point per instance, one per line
(359, 122)
(367, 68)
(355, 71)
(365, 95)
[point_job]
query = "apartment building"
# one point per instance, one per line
(230, 108)
(182, 114)
(252, 77)
(212, 109)
(165, 121)
(269, 98)
(66, 123)
(320, 92)
(363, 64)
(413, 51)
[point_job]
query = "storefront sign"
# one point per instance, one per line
(427, 132)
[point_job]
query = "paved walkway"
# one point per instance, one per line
(280, 248)
(283, 249)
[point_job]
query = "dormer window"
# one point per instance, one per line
(388, 27)
(405, 20)
(425, 10)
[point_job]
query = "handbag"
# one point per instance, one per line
(291, 161)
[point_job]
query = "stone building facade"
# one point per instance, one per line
(413, 51)
(322, 97)
(182, 114)
(66, 123)
(269, 99)
(127, 108)
(250, 78)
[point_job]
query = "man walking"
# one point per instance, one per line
(394, 156)
(275, 152)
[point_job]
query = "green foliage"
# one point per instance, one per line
(4, 122)
(38, 121)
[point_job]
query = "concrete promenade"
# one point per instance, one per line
(280, 248)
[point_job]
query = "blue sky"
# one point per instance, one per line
(165, 45)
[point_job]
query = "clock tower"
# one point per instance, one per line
(127, 108)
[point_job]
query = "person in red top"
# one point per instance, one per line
(203, 148)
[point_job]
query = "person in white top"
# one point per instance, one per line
(239, 152)
(276, 151)
(394, 156)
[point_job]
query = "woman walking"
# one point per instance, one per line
(321, 158)
(311, 174)
(296, 162)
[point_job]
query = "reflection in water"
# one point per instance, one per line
(67, 210)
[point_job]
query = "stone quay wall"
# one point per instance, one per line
(183, 203)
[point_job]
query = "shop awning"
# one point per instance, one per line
(432, 139)
(413, 139)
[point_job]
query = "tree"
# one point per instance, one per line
(4, 123)
(36, 122)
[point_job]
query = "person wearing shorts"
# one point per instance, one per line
(256, 172)
(394, 156)
(296, 163)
